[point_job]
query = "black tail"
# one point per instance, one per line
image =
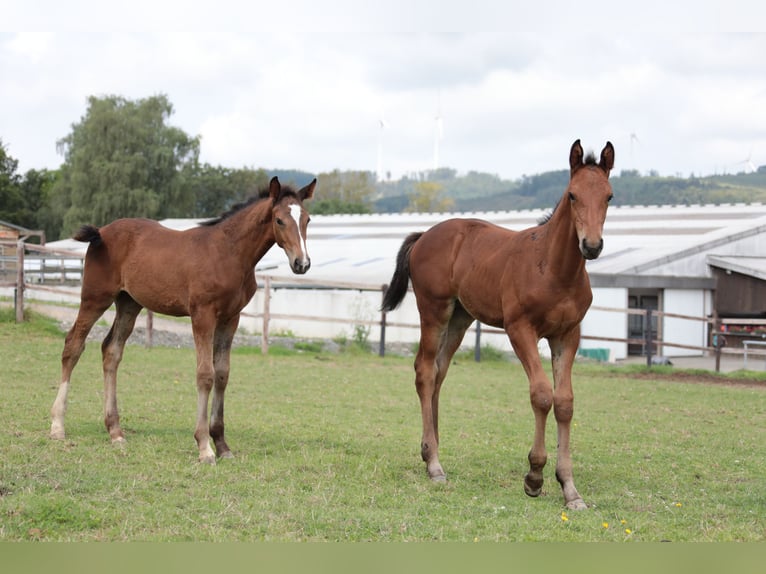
(397, 288)
(89, 234)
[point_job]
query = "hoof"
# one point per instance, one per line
(119, 441)
(436, 472)
(577, 504)
(226, 454)
(57, 435)
(532, 488)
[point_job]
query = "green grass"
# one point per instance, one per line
(327, 448)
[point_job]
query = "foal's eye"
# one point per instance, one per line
(308, 221)
(280, 222)
(608, 199)
(571, 196)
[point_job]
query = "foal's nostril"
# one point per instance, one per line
(301, 267)
(589, 252)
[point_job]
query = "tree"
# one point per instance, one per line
(123, 160)
(425, 199)
(344, 192)
(36, 187)
(24, 200)
(216, 189)
(11, 199)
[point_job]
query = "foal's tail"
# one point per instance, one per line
(88, 234)
(397, 288)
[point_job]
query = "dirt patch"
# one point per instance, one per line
(706, 378)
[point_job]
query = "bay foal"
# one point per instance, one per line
(206, 272)
(532, 283)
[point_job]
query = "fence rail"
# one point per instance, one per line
(68, 265)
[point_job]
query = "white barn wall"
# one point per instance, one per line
(348, 307)
(607, 323)
(690, 302)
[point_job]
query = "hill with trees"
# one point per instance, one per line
(124, 159)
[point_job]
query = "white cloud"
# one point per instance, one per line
(304, 85)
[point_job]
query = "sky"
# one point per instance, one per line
(397, 87)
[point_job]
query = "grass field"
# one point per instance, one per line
(327, 449)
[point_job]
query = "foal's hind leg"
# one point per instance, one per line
(111, 352)
(91, 308)
(437, 347)
(224, 335)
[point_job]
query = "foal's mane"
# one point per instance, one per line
(262, 195)
(590, 159)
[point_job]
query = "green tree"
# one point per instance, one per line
(11, 199)
(426, 198)
(36, 188)
(215, 188)
(123, 160)
(344, 192)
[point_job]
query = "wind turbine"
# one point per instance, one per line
(379, 168)
(749, 167)
(633, 140)
(438, 133)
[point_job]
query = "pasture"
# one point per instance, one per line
(327, 449)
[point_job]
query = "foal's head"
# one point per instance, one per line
(290, 220)
(589, 193)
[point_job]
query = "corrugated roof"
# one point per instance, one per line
(363, 248)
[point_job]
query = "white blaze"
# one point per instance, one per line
(295, 212)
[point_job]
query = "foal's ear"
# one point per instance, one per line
(607, 158)
(308, 191)
(575, 158)
(274, 188)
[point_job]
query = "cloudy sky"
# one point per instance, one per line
(401, 86)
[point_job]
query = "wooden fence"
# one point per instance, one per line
(54, 268)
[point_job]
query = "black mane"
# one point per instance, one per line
(262, 195)
(547, 217)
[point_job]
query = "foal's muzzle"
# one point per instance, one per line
(591, 251)
(299, 267)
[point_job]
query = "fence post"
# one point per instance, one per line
(265, 328)
(717, 341)
(19, 299)
(477, 345)
(648, 336)
(382, 350)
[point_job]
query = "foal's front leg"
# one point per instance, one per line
(224, 336)
(203, 329)
(524, 343)
(563, 352)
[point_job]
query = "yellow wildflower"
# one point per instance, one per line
(564, 517)
(605, 524)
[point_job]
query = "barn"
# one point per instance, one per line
(693, 260)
